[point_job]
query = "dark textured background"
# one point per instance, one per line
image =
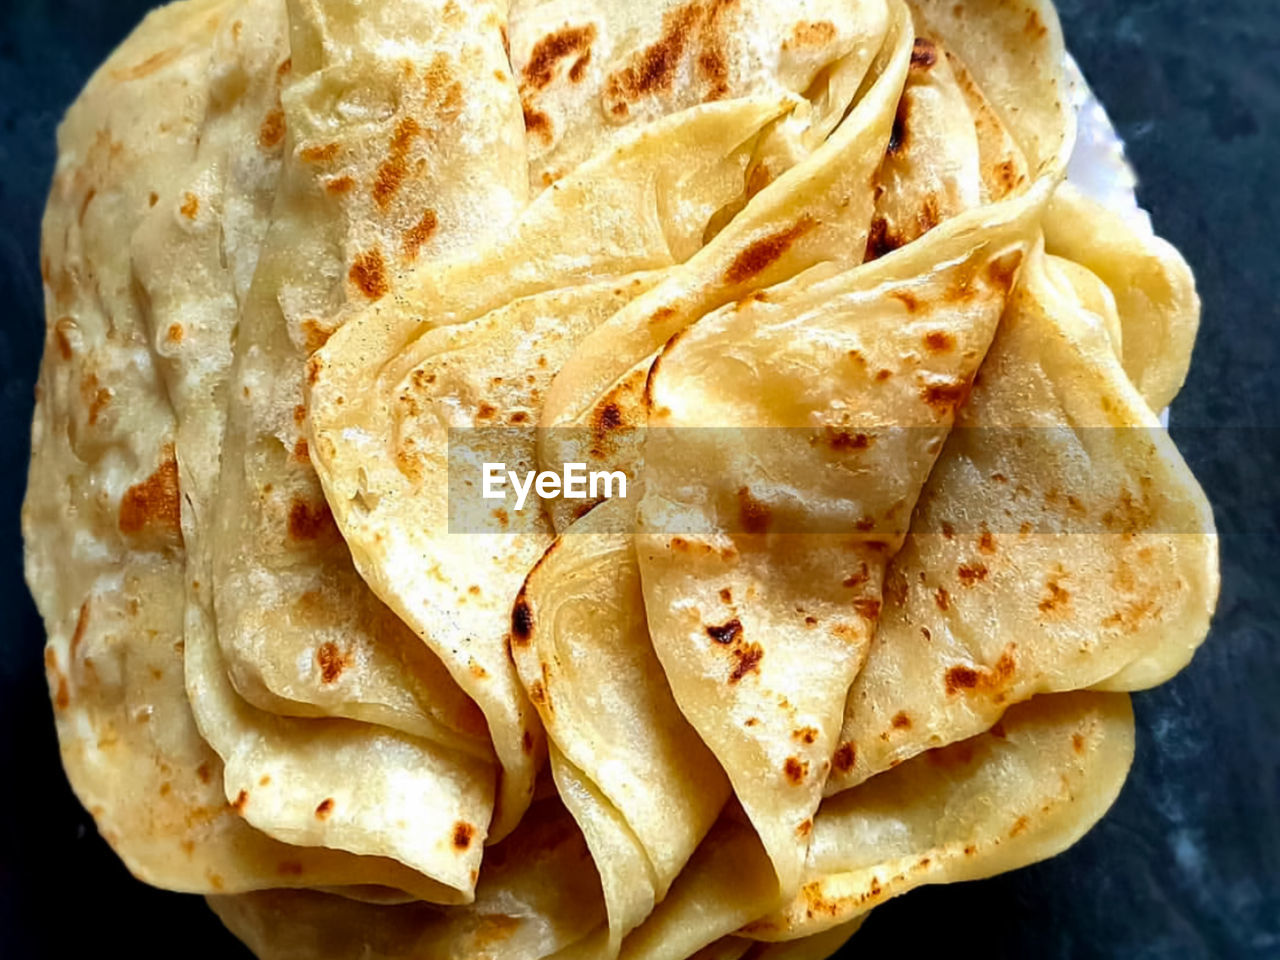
(1186, 865)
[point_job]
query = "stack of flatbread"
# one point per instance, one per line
(902, 527)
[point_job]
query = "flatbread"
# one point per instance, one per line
(633, 771)
(105, 551)
(1056, 764)
(589, 69)
(383, 452)
(539, 893)
(1155, 292)
(309, 262)
(763, 575)
(1061, 539)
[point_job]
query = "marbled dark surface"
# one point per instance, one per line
(1187, 865)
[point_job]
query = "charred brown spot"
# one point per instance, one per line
(608, 417)
(339, 185)
(241, 801)
(324, 808)
(62, 699)
(845, 756)
(462, 834)
(419, 234)
(804, 828)
(881, 240)
(521, 622)
(553, 48)
(726, 595)
(315, 335)
(1019, 826)
(844, 440)
(1128, 515)
(971, 574)
(805, 734)
(867, 607)
(331, 660)
(713, 68)
(1006, 175)
(942, 598)
(175, 333)
(369, 273)
(746, 660)
(203, 773)
(961, 678)
(726, 633)
(154, 503)
(754, 515)
(1055, 596)
(901, 721)
(96, 396)
(899, 136)
(393, 171)
(190, 206)
(309, 521)
(810, 34)
(272, 130)
(662, 315)
(945, 397)
(766, 251)
(939, 341)
(301, 452)
(61, 339)
(77, 637)
(902, 296)
(538, 123)
(654, 68)
(319, 155)
(796, 770)
(579, 68)
(924, 53)
(526, 742)
(1077, 742)
(986, 543)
